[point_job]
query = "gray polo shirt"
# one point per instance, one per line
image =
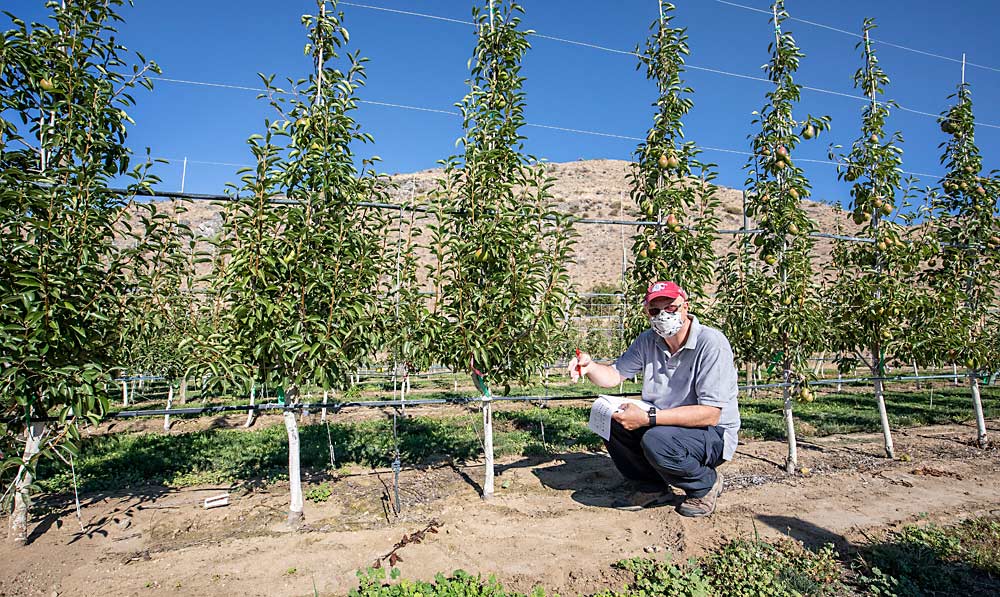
(701, 372)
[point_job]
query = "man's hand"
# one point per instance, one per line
(578, 366)
(631, 417)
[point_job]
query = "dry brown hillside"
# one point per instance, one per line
(588, 189)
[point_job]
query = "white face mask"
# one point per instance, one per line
(666, 324)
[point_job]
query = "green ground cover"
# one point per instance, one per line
(122, 460)
(962, 559)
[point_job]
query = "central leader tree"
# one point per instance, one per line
(72, 249)
(957, 325)
(305, 270)
(873, 298)
(501, 291)
(668, 183)
(784, 315)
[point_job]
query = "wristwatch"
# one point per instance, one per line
(652, 416)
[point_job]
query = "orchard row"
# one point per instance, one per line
(305, 290)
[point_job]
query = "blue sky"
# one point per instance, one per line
(423, 62)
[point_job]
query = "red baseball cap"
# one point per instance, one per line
(664, 289)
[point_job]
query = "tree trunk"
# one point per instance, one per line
(22, 483)
(488, 446)
(295, 514)
(977, 405)
(170, 402)
(322, 416)
(791, 463)
(883, 417)
(252, 413)
(124, 393)
(183, 398)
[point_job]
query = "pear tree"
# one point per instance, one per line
(305, 272)
(500, 247)
(786, 317)
(71, 247)
(669, 184)
(872, 297)
(964, 277)
(501, 291)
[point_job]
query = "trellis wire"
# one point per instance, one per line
(459, 400)
(395, 206)
(690, 66)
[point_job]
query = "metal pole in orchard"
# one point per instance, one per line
(623, 293)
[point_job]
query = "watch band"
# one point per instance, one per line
(652, 416)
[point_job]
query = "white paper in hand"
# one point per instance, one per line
(604, 407)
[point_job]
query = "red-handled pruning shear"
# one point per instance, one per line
(579, 369)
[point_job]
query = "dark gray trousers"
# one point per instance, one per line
(685, 457)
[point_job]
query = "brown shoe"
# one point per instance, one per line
(640, 500)
(705, 505)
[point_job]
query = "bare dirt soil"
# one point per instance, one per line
(549, 523)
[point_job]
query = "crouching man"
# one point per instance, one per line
(691, 426)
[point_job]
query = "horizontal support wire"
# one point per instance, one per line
(338, 406)
(606, 49)
(853, 34)
(417, 208)
(541, 126)
(702, 68)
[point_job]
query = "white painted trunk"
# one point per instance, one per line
(404, 389)
(183, 398)
(792, 462)
(295, 514)
(322, 417)
(977, 405)
(916, 373)
(252, 413)
(488, 447)
(890, 451)
(954, 371)
(22, 482)
(124, 393)
(170, 403)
